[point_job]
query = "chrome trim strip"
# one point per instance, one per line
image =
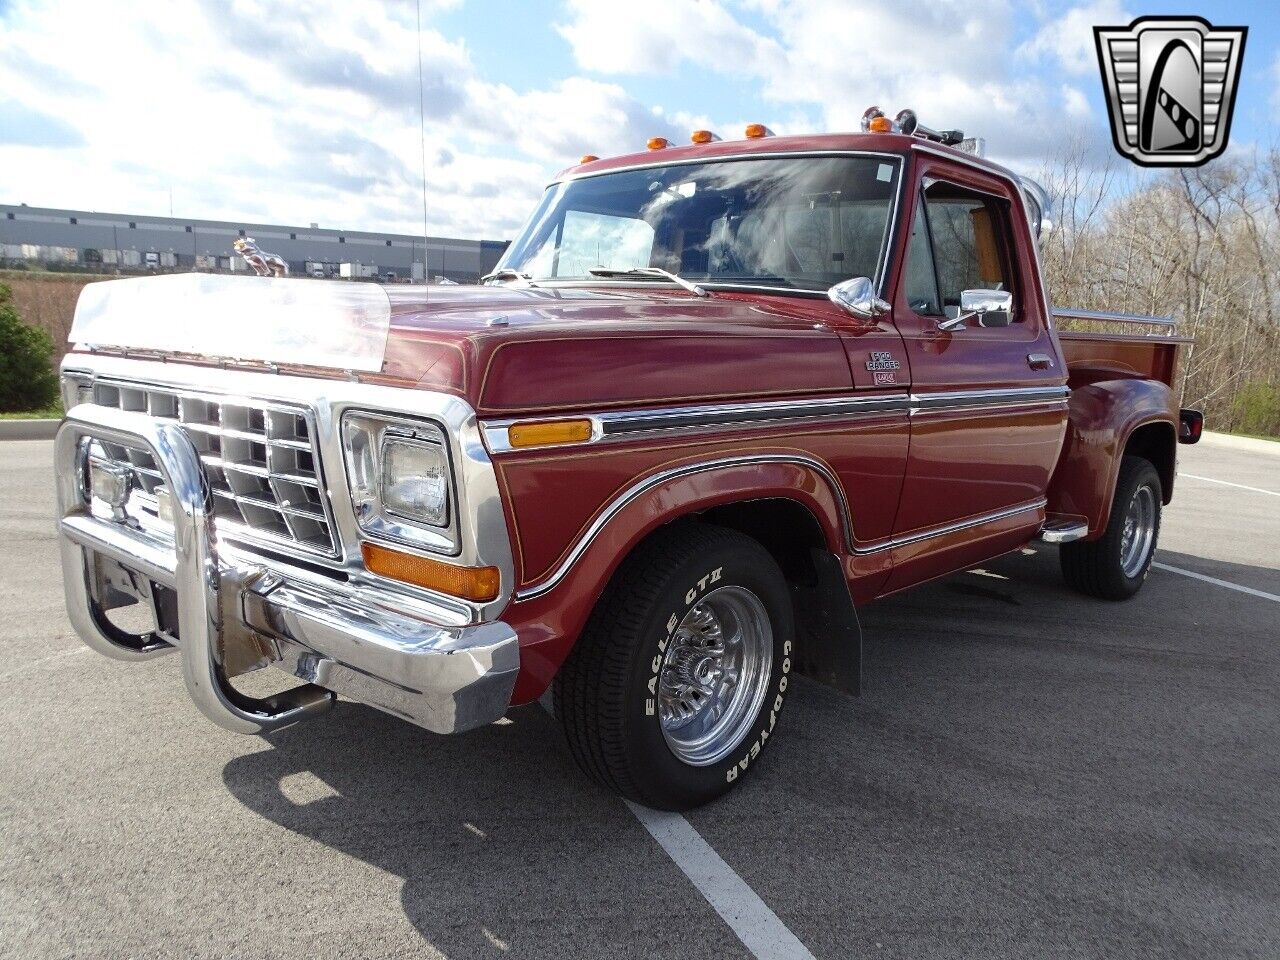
(637, 489)
(967, 399)
(930, 532)
(1071, 313)
(629, 424)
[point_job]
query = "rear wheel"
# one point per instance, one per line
(1115, 565)
(677, 681)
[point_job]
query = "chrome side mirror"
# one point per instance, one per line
(990, 308)
(858, 297)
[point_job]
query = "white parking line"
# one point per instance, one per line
(1218, 583)
(1228, 483)
(747, 915)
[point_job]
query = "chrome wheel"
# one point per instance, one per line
(1137, 536)
(715, 675)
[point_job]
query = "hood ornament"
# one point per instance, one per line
(263, 264)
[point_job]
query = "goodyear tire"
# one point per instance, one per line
(1115, 566)
(676, 684)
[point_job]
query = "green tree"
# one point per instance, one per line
(1257, 410)
(27, 380)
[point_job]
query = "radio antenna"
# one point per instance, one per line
(422, 136)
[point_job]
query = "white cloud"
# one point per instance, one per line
(284, 118)
(667, 33)
(946, 59)
(1075, 102)
(1068, 39)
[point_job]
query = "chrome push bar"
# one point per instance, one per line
(191, 570)
(237, 611)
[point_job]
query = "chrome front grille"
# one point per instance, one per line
(260, 460)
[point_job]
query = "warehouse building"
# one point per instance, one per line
(111, 243)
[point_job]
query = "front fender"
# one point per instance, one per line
(1101, 418)
(548, 615)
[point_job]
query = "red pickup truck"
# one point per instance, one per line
(715, 398)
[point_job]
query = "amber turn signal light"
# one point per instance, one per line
(549, 433)
(658, 143)
(470, 583)
(755, 131)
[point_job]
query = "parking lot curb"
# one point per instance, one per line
(28, 429)
(1252, 444)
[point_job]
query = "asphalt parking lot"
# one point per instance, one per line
(1028, 773)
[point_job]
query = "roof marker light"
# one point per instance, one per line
(658, 143)
(703, 136)
(880, 125)
(588, 157)
(755, 131)
(869, 116)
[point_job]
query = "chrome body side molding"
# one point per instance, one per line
(709, 418)
(632, 424)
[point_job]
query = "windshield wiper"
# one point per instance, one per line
(506, 273)
(656, 272)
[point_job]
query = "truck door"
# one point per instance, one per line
(988, 409)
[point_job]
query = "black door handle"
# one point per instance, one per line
(1039, 361)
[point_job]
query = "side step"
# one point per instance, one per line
(1063, 530)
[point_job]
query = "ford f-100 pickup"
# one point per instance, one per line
(714, 398)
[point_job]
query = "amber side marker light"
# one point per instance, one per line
(470, 583)
(549, 433)
(755, 131)
(658, 143)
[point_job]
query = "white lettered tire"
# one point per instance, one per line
(677, 682)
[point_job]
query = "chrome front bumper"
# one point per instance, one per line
(232, 611)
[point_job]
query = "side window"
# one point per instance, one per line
(970, 240)
(921, 278)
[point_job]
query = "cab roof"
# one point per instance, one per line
(891, 143)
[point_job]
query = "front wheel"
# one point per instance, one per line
(677, 681)
(1114, 566)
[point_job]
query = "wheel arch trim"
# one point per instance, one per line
(650, 483)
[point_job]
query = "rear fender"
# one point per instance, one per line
(1103, 419)
(548, 616)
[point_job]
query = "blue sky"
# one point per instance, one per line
(311, 114)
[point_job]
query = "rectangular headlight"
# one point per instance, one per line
(415, 480)
(401, 484)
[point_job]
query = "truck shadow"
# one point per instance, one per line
(1029, 766)
(1025, 766)
(501, 842)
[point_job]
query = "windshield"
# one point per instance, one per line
(798, 222)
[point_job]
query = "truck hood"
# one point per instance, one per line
(507, 350)
(512, 350)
